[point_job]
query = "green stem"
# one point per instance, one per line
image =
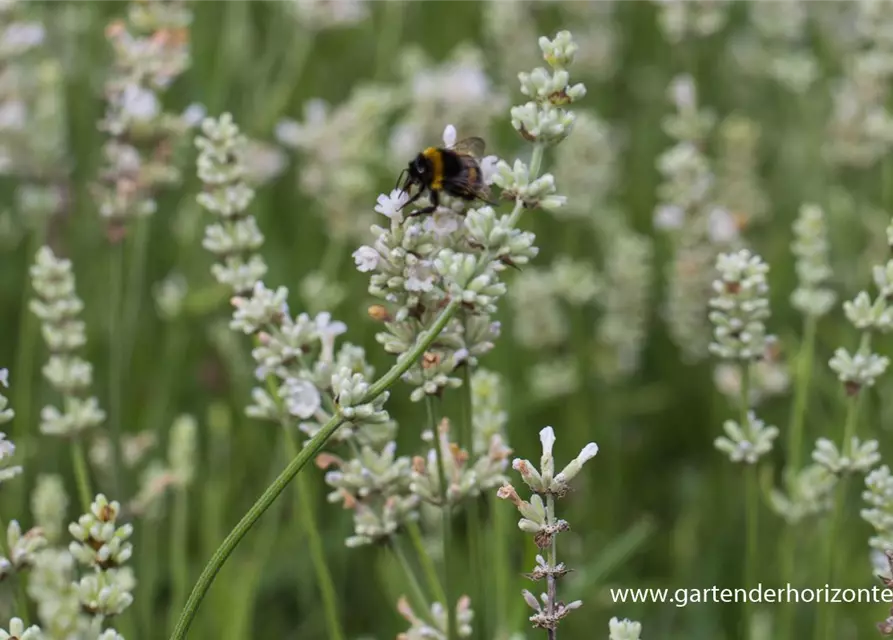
(753, 514)
(787, 546)
(826, 627)
(130, 320)
(116, 355)
(421, 602)
(787, 551)
(801, 395)
(428, 568)
(81, 474)
(475, 530)
(179, 556)
(501, 564)
(148, 572)
(536, 159)
(752, 493)
(314, 542)
(446, 522)
(313, 447)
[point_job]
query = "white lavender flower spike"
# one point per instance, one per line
(740, 306)
(747, 443)
(624, 629)
(17, 631)
(813, 269)
(859, 457)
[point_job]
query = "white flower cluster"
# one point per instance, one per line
(465, 476)
(589, 165)
(7, 448)
(688, 209)
(433, 625)
(457, 88)
(340, 148)
(236, 238)
(857, 457)
(488, 402)
(375, 485)
(739, 188)
(623, 328)
(182, 449)
(768, 377)
(70, 606)
(33, 126)
(320, 14)
(58, 308)
(99, 543)
(543, 119)
(879, 514)
(809, 492)
(418, 266)
(862, 368)
(777, 48)
(810, 247)
(746, 443)
(860, 130)
(683, 19)
(740, 306)
(311, 379)
(21, 549)
(538, 518)
(49, 504)
(625, 629)
(17, 631)
(151, 48)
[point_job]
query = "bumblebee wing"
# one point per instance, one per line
(470, 180)
(472, 146)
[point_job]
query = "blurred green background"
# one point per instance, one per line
(658, 507)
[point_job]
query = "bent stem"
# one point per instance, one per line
(317, 554)
(232, 540)
(178, 555)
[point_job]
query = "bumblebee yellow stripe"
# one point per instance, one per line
(436, 159)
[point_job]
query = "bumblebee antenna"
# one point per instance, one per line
(400, 178)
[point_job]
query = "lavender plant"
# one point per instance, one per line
(431, 270)
(538, 518)
(58, 307)
(740, 307)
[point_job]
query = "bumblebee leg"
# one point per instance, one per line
(435, 202)
(411, 200)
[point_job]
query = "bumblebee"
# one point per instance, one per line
(455, 171)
